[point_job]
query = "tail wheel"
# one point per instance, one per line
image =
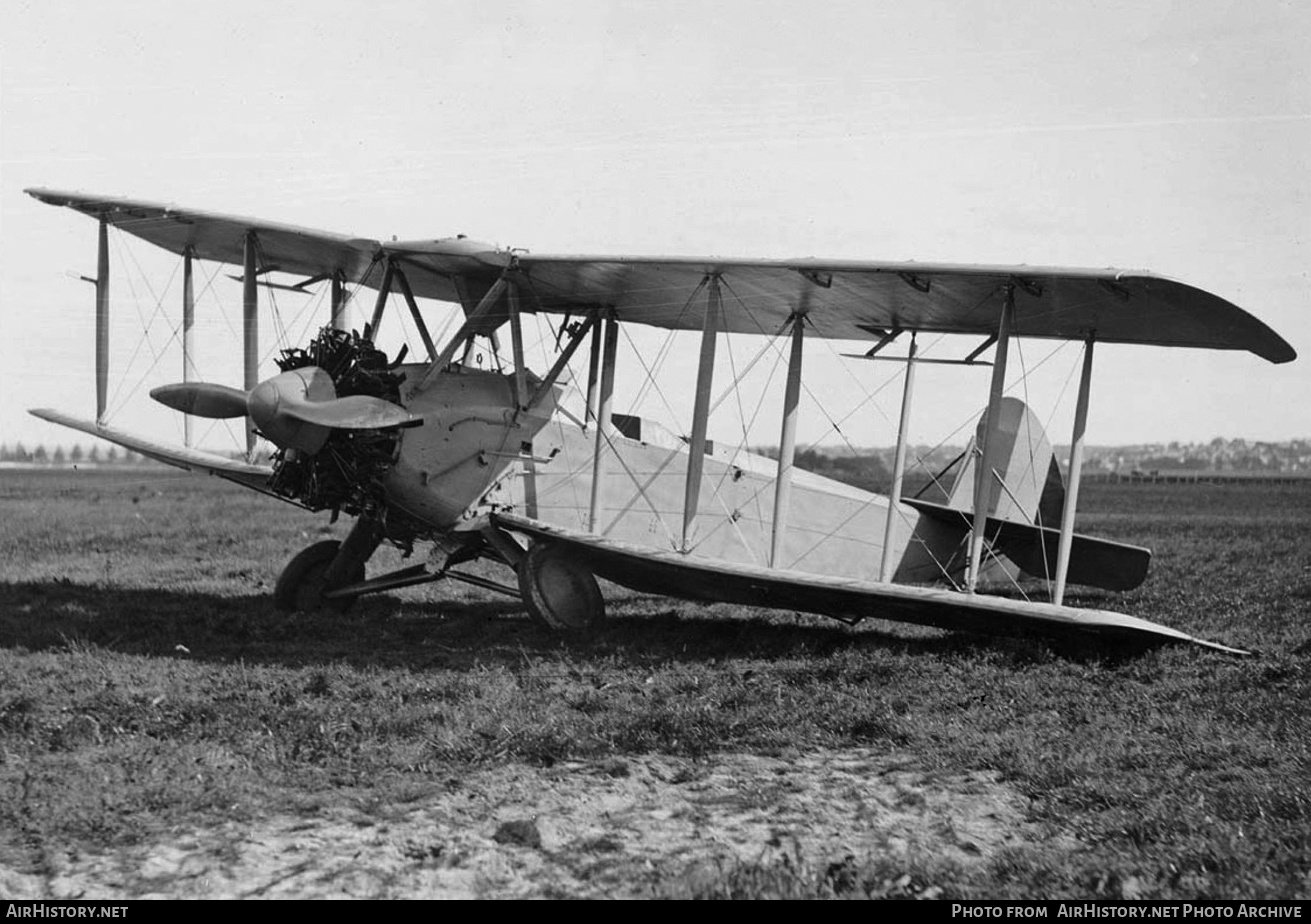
(559, 591)
(301, 585)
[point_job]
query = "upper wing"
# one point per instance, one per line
(861, 300)
(212, 236)
(672, 574)
(844, 300)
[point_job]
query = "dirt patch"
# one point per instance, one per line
(585, 830)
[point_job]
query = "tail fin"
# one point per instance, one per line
(1025, 505)
(1027, 487)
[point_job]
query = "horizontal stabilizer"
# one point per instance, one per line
(1093, 562)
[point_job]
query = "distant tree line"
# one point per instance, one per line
(74, 455)
(867, 472)
(1219, 455)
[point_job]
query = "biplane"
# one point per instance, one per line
(492, 464)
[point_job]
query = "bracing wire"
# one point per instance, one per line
(115, 402)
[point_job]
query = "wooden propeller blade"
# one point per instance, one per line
(202, 399)
(297, 409)
(355, 412)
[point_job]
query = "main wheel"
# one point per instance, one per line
(300, 587)
(559, 591)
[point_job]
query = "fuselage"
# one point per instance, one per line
(474, 455)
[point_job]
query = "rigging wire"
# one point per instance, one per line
(645, 388)
(650, 374)
(114, 403)
(737, 450)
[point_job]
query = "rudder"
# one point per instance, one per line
(1029, 488)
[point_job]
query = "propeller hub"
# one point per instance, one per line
(273, 404)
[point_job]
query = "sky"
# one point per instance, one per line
(1168, 136)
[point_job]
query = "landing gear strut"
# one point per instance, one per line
(324, 566)
(557, 589)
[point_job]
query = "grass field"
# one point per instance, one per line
(148, 686)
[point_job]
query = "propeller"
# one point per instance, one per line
(201, 399)
(296, 409)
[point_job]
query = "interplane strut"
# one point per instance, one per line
(985, 462)
(696, 449)
(1076, 472)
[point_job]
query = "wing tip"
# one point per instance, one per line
(48, 414)
(48, 196)
(1278, 353)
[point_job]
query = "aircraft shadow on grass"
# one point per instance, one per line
(456, 634)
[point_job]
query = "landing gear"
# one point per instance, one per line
(301, 585)
(559, 591)
(324, 566)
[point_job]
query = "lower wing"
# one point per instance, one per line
(672, 574)
(193, 460)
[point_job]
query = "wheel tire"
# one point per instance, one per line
(300, 587)
(559, 592)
